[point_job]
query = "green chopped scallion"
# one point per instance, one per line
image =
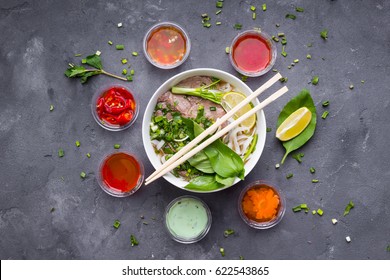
(276, 39)
(351, 86)
(207, 24)
(281, 34)
(314, 80)
(120, 47)
(77, 54)
(110, 42)
(83, 174)
(253, 16)
(129, 78)
(304, 206)
(218, 23)
(325, 115)
(124, 61)
(320, 211)
(219, 4)
(228, 232)
(264, 6)
(134, 241)
(297, 208)
(222, 251)
(213, 108)
(283, 79)
(134, 53)
(227, 50)
(88, 155)
(299, 9)
(289, 175)
(291, 16)
(349, 206)
(205, 15)
(77, 143)
(238, 26)
(308, 56)
(116, 224)
(218, 12)
(314, 212)
(117, 146)
(362, 81)
(312, 170)
(269, 129)
(51, 108)
(132, 71)
(244, 78)
(124, 71)
(324, 34)
(61, 153)
(84, 60)
(296, 60)
(325, 103)
(315, 181)
(253, 8)
(284, 41)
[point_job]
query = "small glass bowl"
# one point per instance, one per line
(182, 239)
(167, 24)
(111, 191)
(108, 126)
(271, 44)
(268, 224)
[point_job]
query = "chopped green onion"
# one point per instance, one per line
(218, 23)
(124, 61)
(315, 181)
(264, 7)
(320, 211)
(129, 78)
(205, 15)
(132, 71)
(283, 79)
(77, 54)
(289, 175)
(213, 108)
(238, 26)
(324, 34)
(308, 56)
(116, 224)
(298, 157)
(312, 170)
(325, 103)
(134, 53)
(283, 52)
(218, 12)
(296, 60)
(274, 70)
(120, 47)
(124, 71)
(117, 146)
(297, 208)
(253, 8)
(77, 143)
(227, 50)
(51, 108)
(244, 78)
(362, 81)
(219, 4)
(303, 206)
(349, 206)
(291, 16)
(325, 114)
(253, 16)
(88, 155)
(281, 34)
(83, 175)
(314, 80)
(284, 41)
(269, 129)
(276, 39)
(133, 240)
(52, 210)
(314, 212)
(351, 86)
(299, 9)
(222, 251)
(228, 232)
(207, 24)
(110, 42)
(84, 60)
(61, 153)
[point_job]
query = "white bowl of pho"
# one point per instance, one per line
(181, 109)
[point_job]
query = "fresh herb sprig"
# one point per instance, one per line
(78, 71)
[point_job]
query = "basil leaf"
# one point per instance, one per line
(74, 71)
(225, 181)
(201, 162)
(94, 61)
(303, 99)
(204, 183)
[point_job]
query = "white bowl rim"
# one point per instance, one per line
(244, 88)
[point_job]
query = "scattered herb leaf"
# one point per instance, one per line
(324, 34)
(228, 232)
(315, 181)
(312, 170)
(134, 241)
(320, 212)
(291, 16)
(77, 143)
(222, 251)
(61, 153)
(269, 129)
(315, 80)
(325, 103)
(349, 206)
(299, 9)
(298, 157)
(325, 114)
(289, 175)
(83, 174)
(238, 26)
(117, 224)
(117, 146)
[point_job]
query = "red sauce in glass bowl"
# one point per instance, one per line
(121, 174)
(116, 107)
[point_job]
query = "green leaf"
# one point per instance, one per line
(89, 74)
(225, 181)
(303, 99)
(74, 71)
(324, 34)
(201, 162)
(204, 183)
(94, 61)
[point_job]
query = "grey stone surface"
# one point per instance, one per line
(349, 149)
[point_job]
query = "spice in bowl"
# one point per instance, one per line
(114, 108)
(166, 45)
(120, 174)
(187, 219)
(252, 53)
(261, 205)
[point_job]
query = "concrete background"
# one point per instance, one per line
(349, 149)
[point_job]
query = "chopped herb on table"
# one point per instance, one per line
(222, 251)
(117, 146)
(298, 157)
(238, 26)
(61, 153)
(308, 56)
(291, 16)
(88, 155)
(77, 143)
(75, 71)
(349, 206)
(324, 34)
(264, 6)
(269, 129)
(325, 115)
(290, 175)
(227, 50)
(315, 181)
(299, 9)
(120, 47)
(320, 212)
(117, 224)
(51, 108)
(315, 80)
(228, 232)
(83, 175)
(134, 241)
(351, 86)
(312, 170)
(325, 103)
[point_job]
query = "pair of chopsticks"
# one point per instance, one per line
(191, 149)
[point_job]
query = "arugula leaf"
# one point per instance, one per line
(204, 183)
(76, 71)
(94, 61)
(303, 99)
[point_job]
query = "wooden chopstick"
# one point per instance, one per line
(190, 153)
(214, 127)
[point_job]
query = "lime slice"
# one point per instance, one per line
(294, 124)
(232, 99)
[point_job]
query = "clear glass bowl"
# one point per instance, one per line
(106, 125)
(182, 239)
(167, 24)
(270, 43)
(268, 224)
(112, 191)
